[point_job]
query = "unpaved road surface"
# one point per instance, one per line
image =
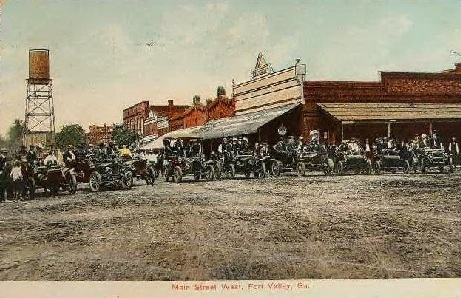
(386, 226)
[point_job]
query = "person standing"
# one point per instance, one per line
(453, 149)
(17, 179)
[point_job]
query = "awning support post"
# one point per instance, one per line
(342, 131)
(388, 129)
(430, 127)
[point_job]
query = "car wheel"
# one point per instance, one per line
(209, 173)
(95, 181)
(275, 169)
(127, 180)
(177, 175)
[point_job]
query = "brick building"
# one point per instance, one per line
(400, 105)
(135, 116)
(99, 134)
(157, 122)
(221, 107)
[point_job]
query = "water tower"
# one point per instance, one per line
(39, 115)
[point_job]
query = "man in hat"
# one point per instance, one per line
(453, 149)
(69, 156)
(3, 173)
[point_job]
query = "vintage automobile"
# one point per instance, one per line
(177, 167)
(391, 160)
(142, 169)
(111, 174)
(350, 157)
(315, 158)
(227, 166)
(248, 163)
(52, 178)
(429, 158)
(189, 161)
(281, 161)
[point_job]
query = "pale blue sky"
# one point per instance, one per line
(100, 64)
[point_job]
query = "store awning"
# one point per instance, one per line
(380, 112)
(243, 124)
(190, 132)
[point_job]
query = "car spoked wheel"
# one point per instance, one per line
(301, 169)
(177, 175)
(127, 180)
(209, 173)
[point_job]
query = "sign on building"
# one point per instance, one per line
(269, 89)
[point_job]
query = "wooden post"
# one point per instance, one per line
(389, 129)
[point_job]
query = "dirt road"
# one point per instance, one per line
(385, 226)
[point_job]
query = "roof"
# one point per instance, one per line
(391, 111)
(168, 111)
(243, 124)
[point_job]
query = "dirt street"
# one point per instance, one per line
(386, 226)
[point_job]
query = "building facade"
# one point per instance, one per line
(99, 134)
(400, 105)
(157, 123)
(135, 116)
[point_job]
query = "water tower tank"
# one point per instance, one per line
(39, 64)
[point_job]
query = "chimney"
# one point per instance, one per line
(458, 67)
(170, 102)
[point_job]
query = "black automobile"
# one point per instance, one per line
(111, 174)
(350, 157)
(52, 178)
(429, 158)
(392, 160)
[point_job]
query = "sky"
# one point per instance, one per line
(100, 63)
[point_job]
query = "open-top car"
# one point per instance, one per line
(111, 174)
(187, 158)
(52, 178)
(350, 157)
(142, 169)
(430, 158)
(315, 158)
(392, 160)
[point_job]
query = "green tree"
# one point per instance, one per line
(220, 91)
(72, 134)
(121, 135)
(196, 99)
(14, 135)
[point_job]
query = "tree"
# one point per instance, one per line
(121, 135)
(196, 100)
(72, 134)
(220, 91)
(14, 135)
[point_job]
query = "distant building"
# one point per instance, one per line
(99, 134)
(221, 107)
(135, 116)
(159, 117)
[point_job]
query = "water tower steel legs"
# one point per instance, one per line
(39, 113)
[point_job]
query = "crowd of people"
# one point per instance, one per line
(12, 165)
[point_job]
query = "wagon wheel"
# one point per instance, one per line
(127, 180)
(177, 174)
(95, 181)
(301, 168)
(275, 169)
(72, 182)
(262, 171)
